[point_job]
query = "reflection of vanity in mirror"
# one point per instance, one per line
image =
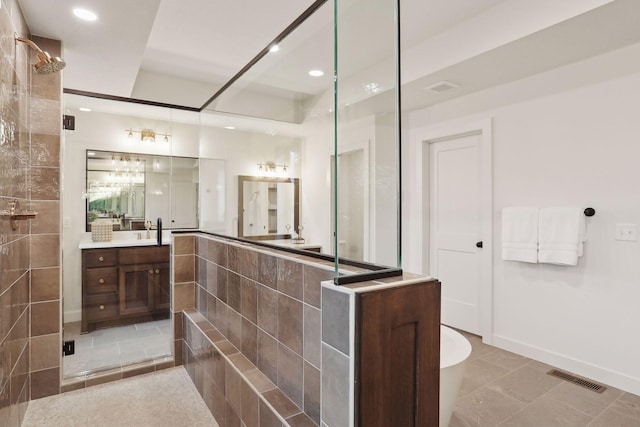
(127, 189)
(269, 211)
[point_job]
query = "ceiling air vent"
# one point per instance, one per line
(442, 86)
(598, 388)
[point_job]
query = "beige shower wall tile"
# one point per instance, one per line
(45, 183)
(47, 221)
(45, 352)
(45, 250)
(46, 116)
(45, 150)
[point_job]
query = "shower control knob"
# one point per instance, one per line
(101, 281)
(479, 244)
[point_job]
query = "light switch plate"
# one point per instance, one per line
(627, 232)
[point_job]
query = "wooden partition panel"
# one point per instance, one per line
(398, 356)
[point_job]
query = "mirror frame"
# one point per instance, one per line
(296, 205)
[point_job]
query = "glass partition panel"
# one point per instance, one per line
(321, 105)
(121, 162)
(367, 135)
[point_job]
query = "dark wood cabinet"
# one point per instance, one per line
(124, 285)
(398, 356)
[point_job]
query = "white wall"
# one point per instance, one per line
(242, 151)
(565, 137)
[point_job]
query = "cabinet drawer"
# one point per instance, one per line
(144, 255)
(100, 307)
(99, 258)
(101, 280)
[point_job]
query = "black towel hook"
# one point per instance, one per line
(589, 212)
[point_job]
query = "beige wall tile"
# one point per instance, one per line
(48, 219)
(45, 383)
(290, 323)
(290, 278)
(249, 406)
(184, 268)
(290, 374)
(45, 318)
(45, 284)
(184, 296)
(45, 149)
(45, 352)
(45, 250)
(183, 245)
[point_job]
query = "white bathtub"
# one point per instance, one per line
(454, 351)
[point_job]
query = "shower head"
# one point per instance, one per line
(46, 63)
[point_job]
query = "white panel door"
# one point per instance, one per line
(184, 201)
(455, 228)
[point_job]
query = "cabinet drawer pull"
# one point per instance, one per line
(101, 306)
(150, 271)
(101, 259)
(101, 281)
(157, 271)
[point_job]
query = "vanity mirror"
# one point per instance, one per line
(268, 208)
(129, 188)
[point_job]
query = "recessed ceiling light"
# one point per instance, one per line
(85, 14)
(274, 48)
(230, 127)
(316, 73)
(91, 153)
(84, 109)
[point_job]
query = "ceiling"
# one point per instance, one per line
(182, 51)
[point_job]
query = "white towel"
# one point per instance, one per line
(520, 234)
(561, 233)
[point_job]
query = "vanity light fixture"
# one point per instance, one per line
(270, 168)
(147, 135)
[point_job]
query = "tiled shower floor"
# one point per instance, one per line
(504, 389)
(115, 347)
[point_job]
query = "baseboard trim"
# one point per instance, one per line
(597, 373)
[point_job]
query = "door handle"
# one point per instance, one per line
(479, 244)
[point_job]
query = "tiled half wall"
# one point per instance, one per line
(264, 303)
(269, 340)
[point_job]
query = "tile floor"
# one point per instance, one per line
(166, 398)
(503, 389)
(117, 346)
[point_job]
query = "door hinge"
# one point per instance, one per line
(69, 122)
(68, 347)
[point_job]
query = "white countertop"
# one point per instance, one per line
(288, 243)
(123, 239)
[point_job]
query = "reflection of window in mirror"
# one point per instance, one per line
(129, 188)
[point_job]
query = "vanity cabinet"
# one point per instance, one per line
(122, 286)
